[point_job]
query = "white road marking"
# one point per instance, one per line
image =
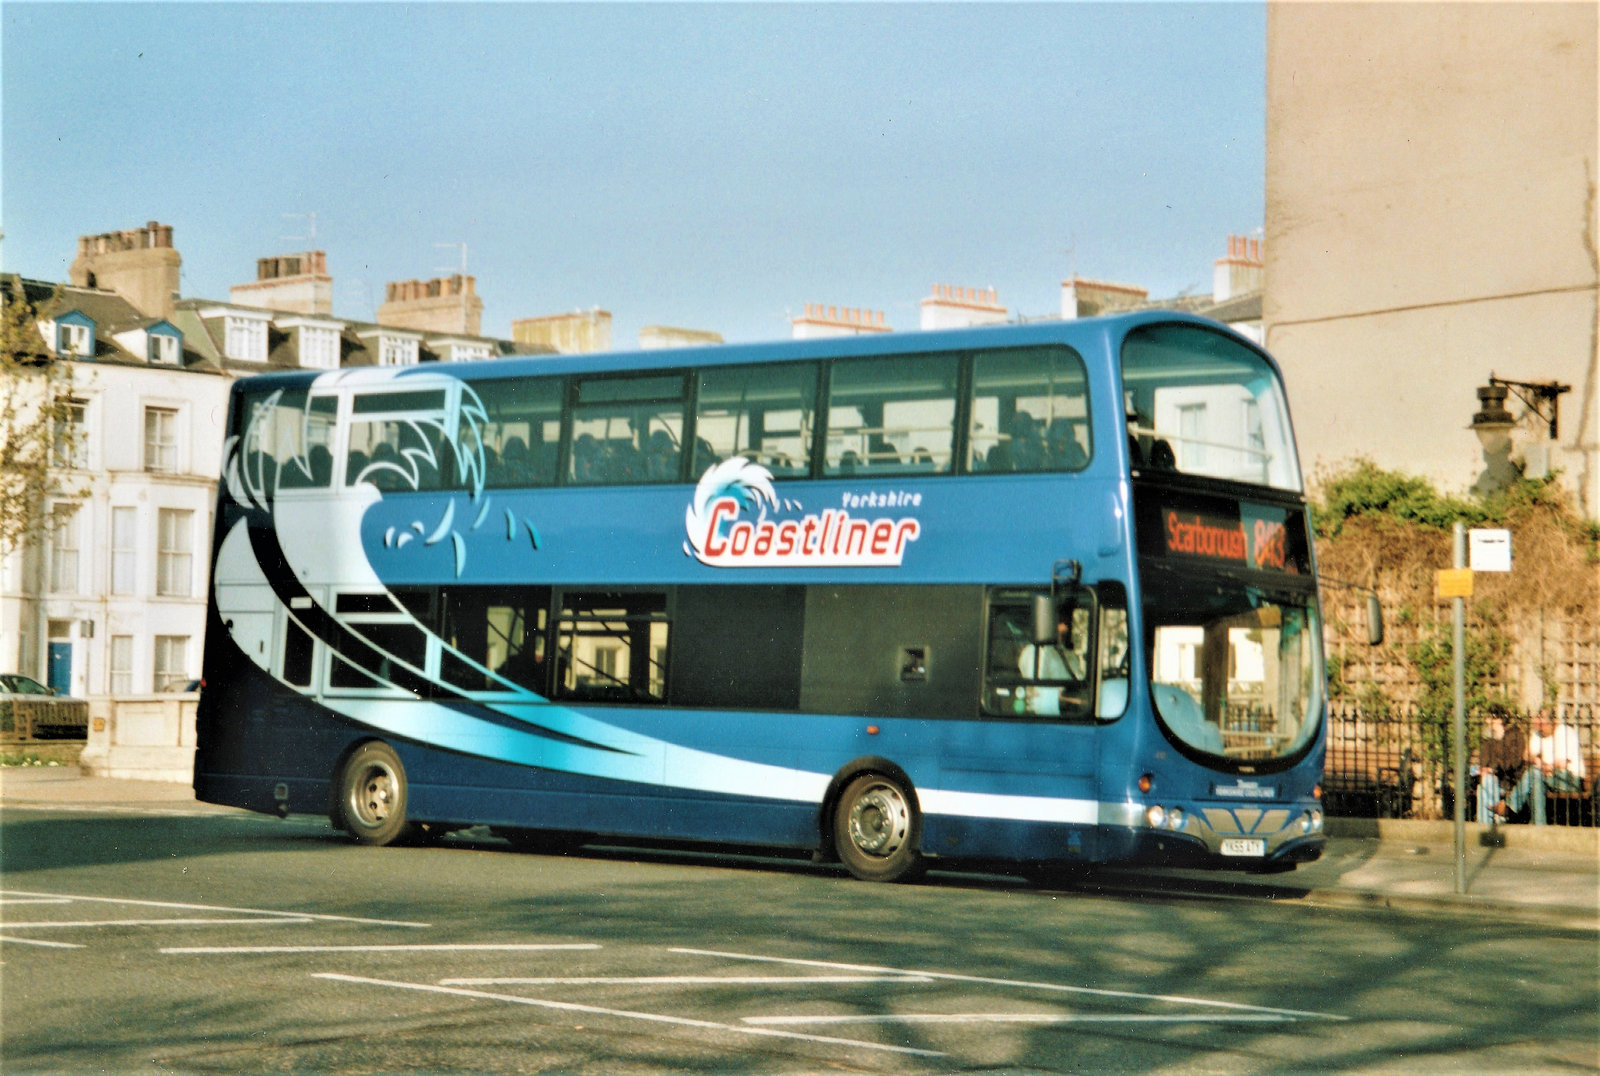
(243, 949)
(46, 944)
(4, 902)
(627, 1014)
(1022, 983)
(108, 808)
(1028, 1018)
(75, 924)
(692, 980)
(269, 913)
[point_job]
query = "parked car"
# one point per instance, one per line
(29, 710)
(17, 684)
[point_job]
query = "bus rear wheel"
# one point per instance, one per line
(876, 830)
(371, 804)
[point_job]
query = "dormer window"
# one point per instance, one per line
(74, 340)
(397, 351)
(246, 337)
(391, 347)
(319, 347)
(165, 349)
(75, 335)
(466, 351)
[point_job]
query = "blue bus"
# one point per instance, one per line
(1039, 593)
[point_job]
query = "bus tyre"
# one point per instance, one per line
(372, 796)
(876, 830)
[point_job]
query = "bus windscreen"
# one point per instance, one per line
(1203, 403)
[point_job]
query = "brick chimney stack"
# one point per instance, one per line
(1242, 271)
(441, 305)
(821, 321)
(140, 265)
(290, 283)
(951, 307)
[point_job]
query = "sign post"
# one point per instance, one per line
(1459, 660)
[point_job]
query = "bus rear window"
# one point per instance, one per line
(284, 439)
(1200, 402)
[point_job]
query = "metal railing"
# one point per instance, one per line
(1397, 764)
(22, 720)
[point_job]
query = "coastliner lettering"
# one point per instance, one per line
(835, 538)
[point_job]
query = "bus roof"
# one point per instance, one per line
(1084, 334)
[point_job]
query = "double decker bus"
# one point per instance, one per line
(1039, 593)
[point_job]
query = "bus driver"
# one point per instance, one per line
(1050, 665)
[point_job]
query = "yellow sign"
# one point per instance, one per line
(1452, 583)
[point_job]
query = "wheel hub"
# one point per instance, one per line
(879, 821)
(374, 796)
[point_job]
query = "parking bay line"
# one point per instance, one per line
(40, 942)
(627, 1014)
(73, 924)
(691, 980)
(1026, 984)
(215, 950)
(1026, 1018)
(268, 914)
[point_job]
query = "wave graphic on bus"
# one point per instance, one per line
(280, 558)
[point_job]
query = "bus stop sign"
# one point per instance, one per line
(1489, 550)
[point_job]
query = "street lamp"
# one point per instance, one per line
(1493, 423)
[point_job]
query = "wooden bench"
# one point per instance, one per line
(1368, 783)
(1574, 808)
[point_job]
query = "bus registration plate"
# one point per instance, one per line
(1239, 846)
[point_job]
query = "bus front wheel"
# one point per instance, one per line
(876, 830)
(372, 796)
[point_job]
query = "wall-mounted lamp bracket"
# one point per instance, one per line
(1543, 398)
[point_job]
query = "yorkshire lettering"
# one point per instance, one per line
(833, 539)
(1199, 537)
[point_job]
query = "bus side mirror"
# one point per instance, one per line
(1374, 621)
(1044, 620)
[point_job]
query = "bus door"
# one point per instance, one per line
(1030, 755)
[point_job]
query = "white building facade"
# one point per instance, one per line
(111, 600)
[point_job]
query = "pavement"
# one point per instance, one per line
(1546, 875)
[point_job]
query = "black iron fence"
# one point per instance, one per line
(1540, 767)
(23, 719)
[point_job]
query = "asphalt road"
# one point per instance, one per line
(142, 939)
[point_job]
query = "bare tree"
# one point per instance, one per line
(37, 420)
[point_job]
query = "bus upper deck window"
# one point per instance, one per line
(521, 434)
(1030, 411)
(627, 430)
(763, 413)
(892, 415)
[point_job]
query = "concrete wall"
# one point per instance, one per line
(148, 738)
(1430, 219)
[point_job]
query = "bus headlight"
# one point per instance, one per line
(1311, 822)
(1175, 818)
(1156, 815)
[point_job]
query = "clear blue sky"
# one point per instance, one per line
(711, 167)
